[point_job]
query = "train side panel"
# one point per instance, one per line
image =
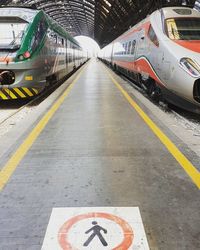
(161, 62)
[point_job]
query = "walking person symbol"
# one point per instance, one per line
(96, 232)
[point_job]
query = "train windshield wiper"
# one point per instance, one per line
(9, 47)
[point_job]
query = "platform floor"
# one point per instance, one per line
(97, 151)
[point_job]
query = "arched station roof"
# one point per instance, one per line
(103, 20)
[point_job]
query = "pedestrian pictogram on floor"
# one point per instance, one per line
(96, 231)
(95, 228)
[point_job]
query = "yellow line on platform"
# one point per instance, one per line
(182, 160)
(19, 154)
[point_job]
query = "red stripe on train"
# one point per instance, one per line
(133, 30)
(191, 45)
(141, 66)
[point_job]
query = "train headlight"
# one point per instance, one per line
(26, 55)
(21, 57)
(190, 66)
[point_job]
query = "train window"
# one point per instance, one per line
(126, 46)
(133, 47)
(42, 28)
(118, 49)
(172, 29)
(183, 28)
(12, 31)
(69, 56)
(123, 45)
(152, 36)
(183, 11)
(39, 34)
(129, 48)
(53, 37)
(59, 41)
(69, 44)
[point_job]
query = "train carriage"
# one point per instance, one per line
(162, 54)
(34, 52)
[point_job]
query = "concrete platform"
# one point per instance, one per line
(96, 151)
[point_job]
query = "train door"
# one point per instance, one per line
(134, 56)
(141, 44)
(142, 53)
(133, 52)
(112, 54)
(157, 56)
(66, 54)
(74, 56)
(136, 52)
(70, 56)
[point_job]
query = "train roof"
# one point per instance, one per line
(60, 30)
(24, 6)
(24, 13)
(169, 12)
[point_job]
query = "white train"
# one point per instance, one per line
(162, 53)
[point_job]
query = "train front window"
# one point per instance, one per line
(11, 33)
(183, 28)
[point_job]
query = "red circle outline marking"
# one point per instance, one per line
(126, 228)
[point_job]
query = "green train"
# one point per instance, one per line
(35, 52)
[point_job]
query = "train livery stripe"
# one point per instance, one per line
(140, 65)
(144, 65)
(191, 45)
(19, 92)
(189, 168)
(133, 31)
(28, 92)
